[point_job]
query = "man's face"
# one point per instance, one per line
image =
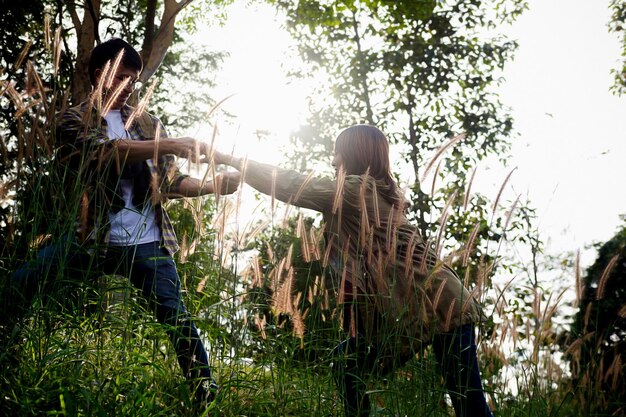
(124, 76)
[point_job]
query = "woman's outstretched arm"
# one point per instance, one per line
(289, 186)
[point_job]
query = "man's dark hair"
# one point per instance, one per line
(108, 51)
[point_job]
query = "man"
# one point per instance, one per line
(120, 164)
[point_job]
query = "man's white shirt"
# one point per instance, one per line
(131, 225)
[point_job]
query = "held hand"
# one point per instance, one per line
(227, 182)
(192, 149)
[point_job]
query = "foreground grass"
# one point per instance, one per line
(117, 361)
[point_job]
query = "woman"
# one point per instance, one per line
(397, 297)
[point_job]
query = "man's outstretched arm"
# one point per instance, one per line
(222, 183)
(141, 150)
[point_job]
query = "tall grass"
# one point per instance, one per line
(269, 328)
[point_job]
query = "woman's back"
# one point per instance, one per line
(386, 264)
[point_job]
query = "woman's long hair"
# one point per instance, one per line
(365, 149)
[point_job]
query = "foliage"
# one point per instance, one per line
(32, 195)
(211, 286)
(291, 293)
(530, 310)
(28, 55)
(617, 25)
(598, 345)
(183, 96)
(423, 72)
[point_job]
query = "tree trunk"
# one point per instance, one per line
(420, 205)
(86, 34)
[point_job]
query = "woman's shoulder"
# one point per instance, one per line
(354, 179)
(361, 179)
(365, 182)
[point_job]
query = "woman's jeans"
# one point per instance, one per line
(354, 359)
(148, 266)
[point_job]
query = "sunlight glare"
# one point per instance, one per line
(264, 107)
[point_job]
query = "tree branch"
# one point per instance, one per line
(148, 37)
(94, 16)
(72, 10)
(162, 39)
(362, 71)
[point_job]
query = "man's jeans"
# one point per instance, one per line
(148, 266)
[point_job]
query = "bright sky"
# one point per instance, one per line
(263, 99)
(570, 149)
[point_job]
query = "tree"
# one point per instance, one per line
(422, 71)
(597, 348)
(157, 38)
